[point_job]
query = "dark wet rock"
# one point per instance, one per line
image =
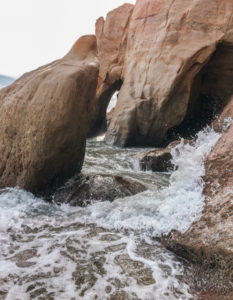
(109, 116)
(108, 289)
(3, 294)
(137, 270)
(116, 248)
(37, 293)
(25, 264)
(158, 160)
(81, 190)
(122, 295)
(24, 255)
(208, 242)
(110, 237)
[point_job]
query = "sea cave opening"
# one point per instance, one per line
(105, 102)
(211, 91)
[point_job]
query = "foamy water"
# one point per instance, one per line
(120, 255)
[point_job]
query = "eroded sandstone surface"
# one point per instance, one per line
(112, 35)
(174, 59)
(45, 116)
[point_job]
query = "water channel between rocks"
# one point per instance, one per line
(106, 250)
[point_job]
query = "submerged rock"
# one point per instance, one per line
(45, 116)
(80, 190)
(208, 242)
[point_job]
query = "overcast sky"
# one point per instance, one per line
(36, 32)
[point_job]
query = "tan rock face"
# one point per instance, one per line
(209, 241)
(112, 35)
(176, 67)
(45, 116)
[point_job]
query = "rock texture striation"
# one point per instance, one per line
(44, 119)
(174, 60)
(112, 35)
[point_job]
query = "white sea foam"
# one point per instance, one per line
(174, 207)
(151, 213)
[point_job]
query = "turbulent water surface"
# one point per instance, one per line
(106, 250)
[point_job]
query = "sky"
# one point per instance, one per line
(36, 32)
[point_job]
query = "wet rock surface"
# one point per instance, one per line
(208, 242)
(77, 261)
(81, 190)
(158, 160)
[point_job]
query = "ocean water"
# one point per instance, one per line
(5, 81)
(106, 250)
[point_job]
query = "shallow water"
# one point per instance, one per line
(107, 250)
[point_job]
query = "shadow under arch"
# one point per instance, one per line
(99, 122)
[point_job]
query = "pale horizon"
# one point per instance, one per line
(36, 32)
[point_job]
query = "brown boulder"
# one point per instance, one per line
(208, 242)
(158, 160)
(112, 35)
(176, 67)
(45, 116)
(81, 190)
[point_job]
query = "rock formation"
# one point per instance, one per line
(81, 190)
(112, 37)
(175, 61)
(209, 241)
(158, 160)
(45, 116)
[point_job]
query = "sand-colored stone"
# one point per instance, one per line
(112, 35)
(45, 116)
(177, 63)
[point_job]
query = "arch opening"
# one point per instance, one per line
(104, 96)
(211, 91)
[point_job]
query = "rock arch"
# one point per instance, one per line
(173, 49)
(112, 35)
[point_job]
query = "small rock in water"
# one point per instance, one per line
(81, 190)
(158, 160)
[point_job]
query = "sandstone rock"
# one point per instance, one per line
(45, 117)
(208, 242)
(81, 189)
(112, 37)
(176, 67)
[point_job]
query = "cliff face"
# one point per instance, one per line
(175, 61)
(45, 116)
